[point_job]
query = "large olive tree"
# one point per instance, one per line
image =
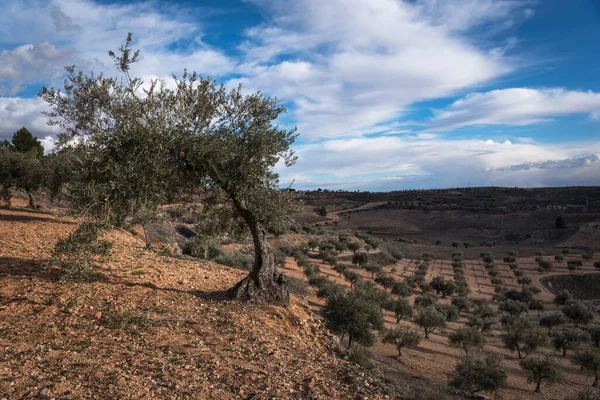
(142, 145)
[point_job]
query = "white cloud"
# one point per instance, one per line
(62, 21)
(359, 64)
(81, 32)
(516, 106)
(28, 63)
(18, 112)
(401, 162)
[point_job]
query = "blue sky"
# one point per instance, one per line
(386, 94)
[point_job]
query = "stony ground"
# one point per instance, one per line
(151, 327)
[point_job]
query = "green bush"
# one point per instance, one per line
(79, 253)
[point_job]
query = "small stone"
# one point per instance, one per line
(45, 392)
(98, 315)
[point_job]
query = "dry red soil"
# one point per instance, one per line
(151, 327)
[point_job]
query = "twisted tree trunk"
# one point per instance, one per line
(263, 284)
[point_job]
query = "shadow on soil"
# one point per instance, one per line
(19, 267)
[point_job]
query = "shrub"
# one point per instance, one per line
(510, 260)
(563, 297)
(402, 337)
(297, 286)
(237, 259)
(475, 374)
(430, 319)
(78, 253)
(202, 247)
(597, 264)
(322, 211)
(559, 258)
(466, 338)
(524, 280)
(541, 369)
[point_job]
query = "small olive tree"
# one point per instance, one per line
(476, 374)
(354, 313)
(430, 319)
(540, 370)
(569, 338)
(402, 337)
(466, 338)
(589, 360)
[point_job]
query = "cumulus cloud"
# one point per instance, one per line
(18, 112)
(51, 43)
(516, 106)
(27, 63)
(359, 64)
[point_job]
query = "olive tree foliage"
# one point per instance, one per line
(20, 171)
(402, 336)
(589, 360)
(141, 144)
(466, 338)
(353, 312)
(541, 369)
(475, 374)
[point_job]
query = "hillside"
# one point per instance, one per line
(151, 327)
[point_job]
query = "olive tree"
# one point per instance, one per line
(430, 319)
(522, 336)
(569, 338)
(355, 313)
(476, 374)
(541, 369)
(143, 144)
(466, 338)
(402, 337)
(551, 320)
(589, 359)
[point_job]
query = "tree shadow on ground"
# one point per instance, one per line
(12, 266)
(42, 270)
(31, 218)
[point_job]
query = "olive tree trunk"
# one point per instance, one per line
(264, 284)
